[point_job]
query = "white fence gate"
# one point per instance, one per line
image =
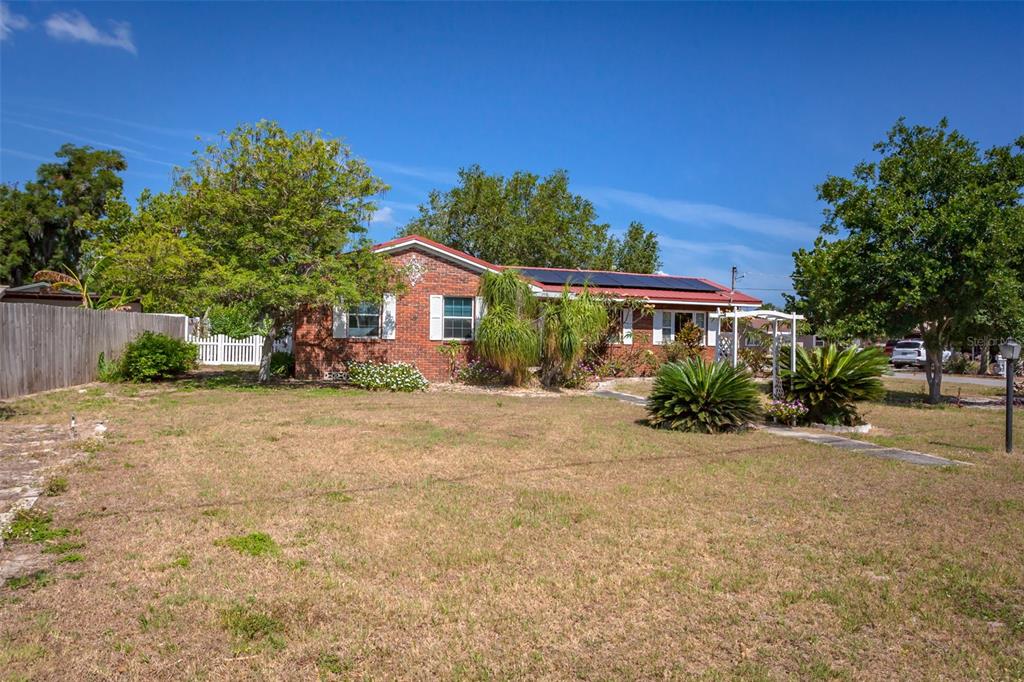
(219, 349)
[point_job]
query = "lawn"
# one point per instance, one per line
(222, 532)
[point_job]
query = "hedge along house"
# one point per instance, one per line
(441, 305)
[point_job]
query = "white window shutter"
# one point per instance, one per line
(479, 310)
(627, 326)
(340, 321)
(714, 324)
(436, 317)
(656, 331)
(388, 317)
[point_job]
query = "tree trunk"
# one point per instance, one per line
(933, 370)
(983, 359)
(268, 350)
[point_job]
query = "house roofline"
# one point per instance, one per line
(430, 244)
(462, 257)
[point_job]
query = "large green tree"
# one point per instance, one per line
(528, 220)
(923, 240)
(264, 219)
(638, 251)
(43, 225)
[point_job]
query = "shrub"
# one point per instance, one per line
(959, 363)
(386, 376)
(154, 356)
(480, 373)
(451, 350)
(703, 397)
(106, 370)
(828, 381)
(757, 359)
(282, 364)
(687, 343)
(786, 411)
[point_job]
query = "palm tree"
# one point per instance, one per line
(507, 336)
(569, 325)
(80, 285)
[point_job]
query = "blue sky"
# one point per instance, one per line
(710, 123)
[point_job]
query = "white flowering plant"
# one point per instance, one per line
(386, 376)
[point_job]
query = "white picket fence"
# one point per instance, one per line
(218, 349)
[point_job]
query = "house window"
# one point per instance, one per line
(458, 317)
(364, 320)
(673, 322)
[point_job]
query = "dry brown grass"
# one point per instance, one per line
(471, 536)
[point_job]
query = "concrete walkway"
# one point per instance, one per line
(863, 447)
(995, 382)
(827, 439)
(616, 395)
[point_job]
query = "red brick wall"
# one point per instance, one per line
(643, 330)
(317, 351)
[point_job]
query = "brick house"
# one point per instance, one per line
(441, 304)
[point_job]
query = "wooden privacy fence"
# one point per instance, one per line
(44, 347)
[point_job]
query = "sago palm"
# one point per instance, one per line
(703, 397)
(829, 381)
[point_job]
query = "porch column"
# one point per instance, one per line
(792, 349)
(735, 338)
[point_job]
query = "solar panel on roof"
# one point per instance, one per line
(616, 279)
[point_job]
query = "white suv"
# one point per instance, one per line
(912, 352)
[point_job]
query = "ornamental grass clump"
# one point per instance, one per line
(700, 397)
(386, 376)
(828, 381)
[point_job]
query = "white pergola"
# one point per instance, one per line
(775, 316)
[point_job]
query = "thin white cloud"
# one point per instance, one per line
(26, 155)
(712, 260)
(171, 132)
(11, 22)
(74, 26)
(127, 151)
(430, 174)
(705, 215)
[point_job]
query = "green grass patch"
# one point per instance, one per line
(33, 580)
(34, 526)
(330, 662)
(70, 558)
(329, 420)
(253, 544)
(56, 486)
(62, 547)
(253, 625)
(970, 596)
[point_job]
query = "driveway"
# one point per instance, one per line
(996, 382)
